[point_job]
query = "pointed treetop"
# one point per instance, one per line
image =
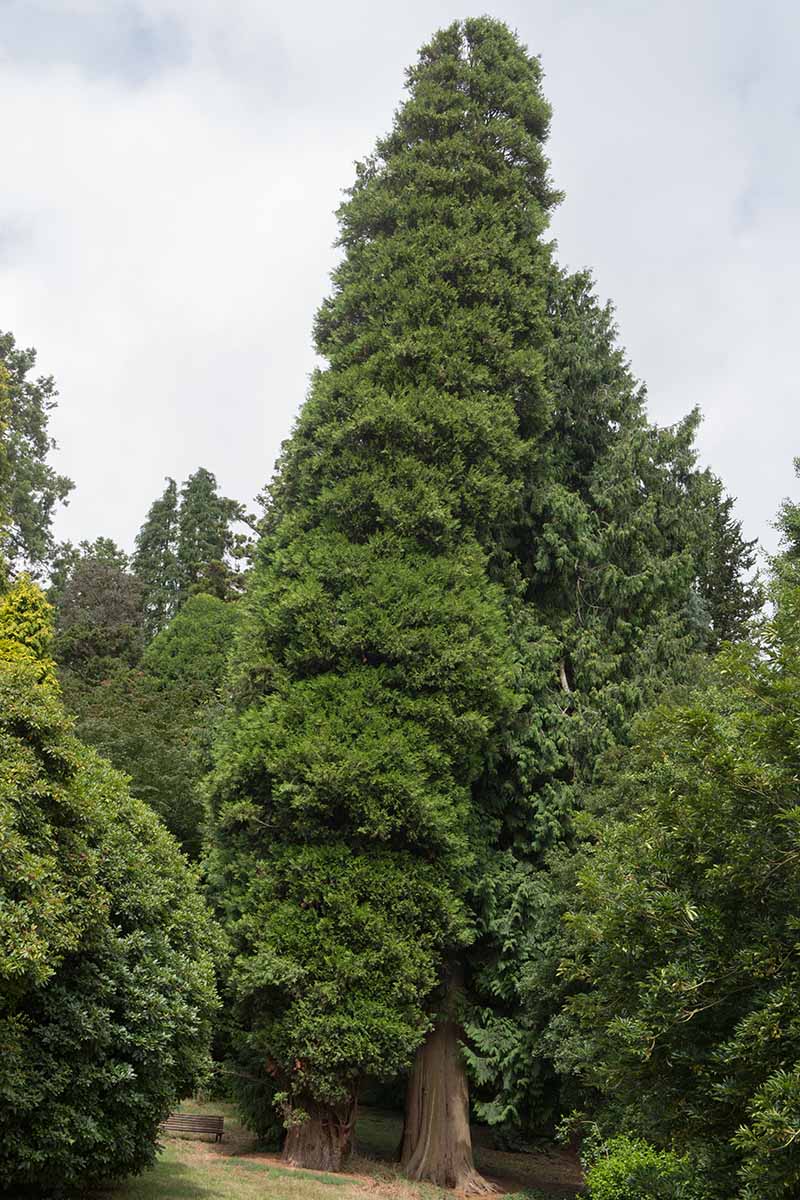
(205, 538)
(476, 78)
(155, 559)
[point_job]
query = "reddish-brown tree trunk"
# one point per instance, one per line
(321, 1140)
(437, 1144)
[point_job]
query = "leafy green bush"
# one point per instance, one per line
(106, 970)
(686, 1016)
(191, 650)
(631, 1169)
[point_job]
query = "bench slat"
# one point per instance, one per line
(192, 1120)
(195, 1123)
(199, 1125)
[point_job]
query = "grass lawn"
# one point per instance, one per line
(235, 1169)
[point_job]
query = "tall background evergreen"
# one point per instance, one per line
(631, 566)
(190, 542)
(155, 559)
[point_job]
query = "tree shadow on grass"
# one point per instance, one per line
(166, 1181)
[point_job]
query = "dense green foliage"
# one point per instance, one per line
(789, 527)
(476, 432)
(68, 558)
(683, 937)
(148, 711)
(146, 731)
(727, 587)
(106, 974)
(621, 588)
(152, 719)
(99, 610)
(342, 801)
(155, 560)
(5, 473)
(192, 650)
(479, 562)
(205, 537)
(30, 489)
(630, 1169)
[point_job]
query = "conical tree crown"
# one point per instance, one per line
(436, 331)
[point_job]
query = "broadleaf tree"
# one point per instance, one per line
(99, 610)
(681, 934)
(32, 488)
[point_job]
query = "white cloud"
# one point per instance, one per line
(166, 228)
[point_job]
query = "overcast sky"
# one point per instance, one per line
(170, 171)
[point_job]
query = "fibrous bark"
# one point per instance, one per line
(437, 1144)
(320, 1140)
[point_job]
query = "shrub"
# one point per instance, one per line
(106, 971)
(631, 1169)
(686, 1010)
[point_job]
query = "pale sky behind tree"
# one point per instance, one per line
(171, 170)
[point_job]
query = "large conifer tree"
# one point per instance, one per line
(375, 668)
(479, 558)
(186, 546)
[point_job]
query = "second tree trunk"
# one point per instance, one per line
(437, 1144)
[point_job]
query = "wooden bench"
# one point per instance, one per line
(193, 1123)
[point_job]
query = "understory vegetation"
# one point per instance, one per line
(461, 783)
